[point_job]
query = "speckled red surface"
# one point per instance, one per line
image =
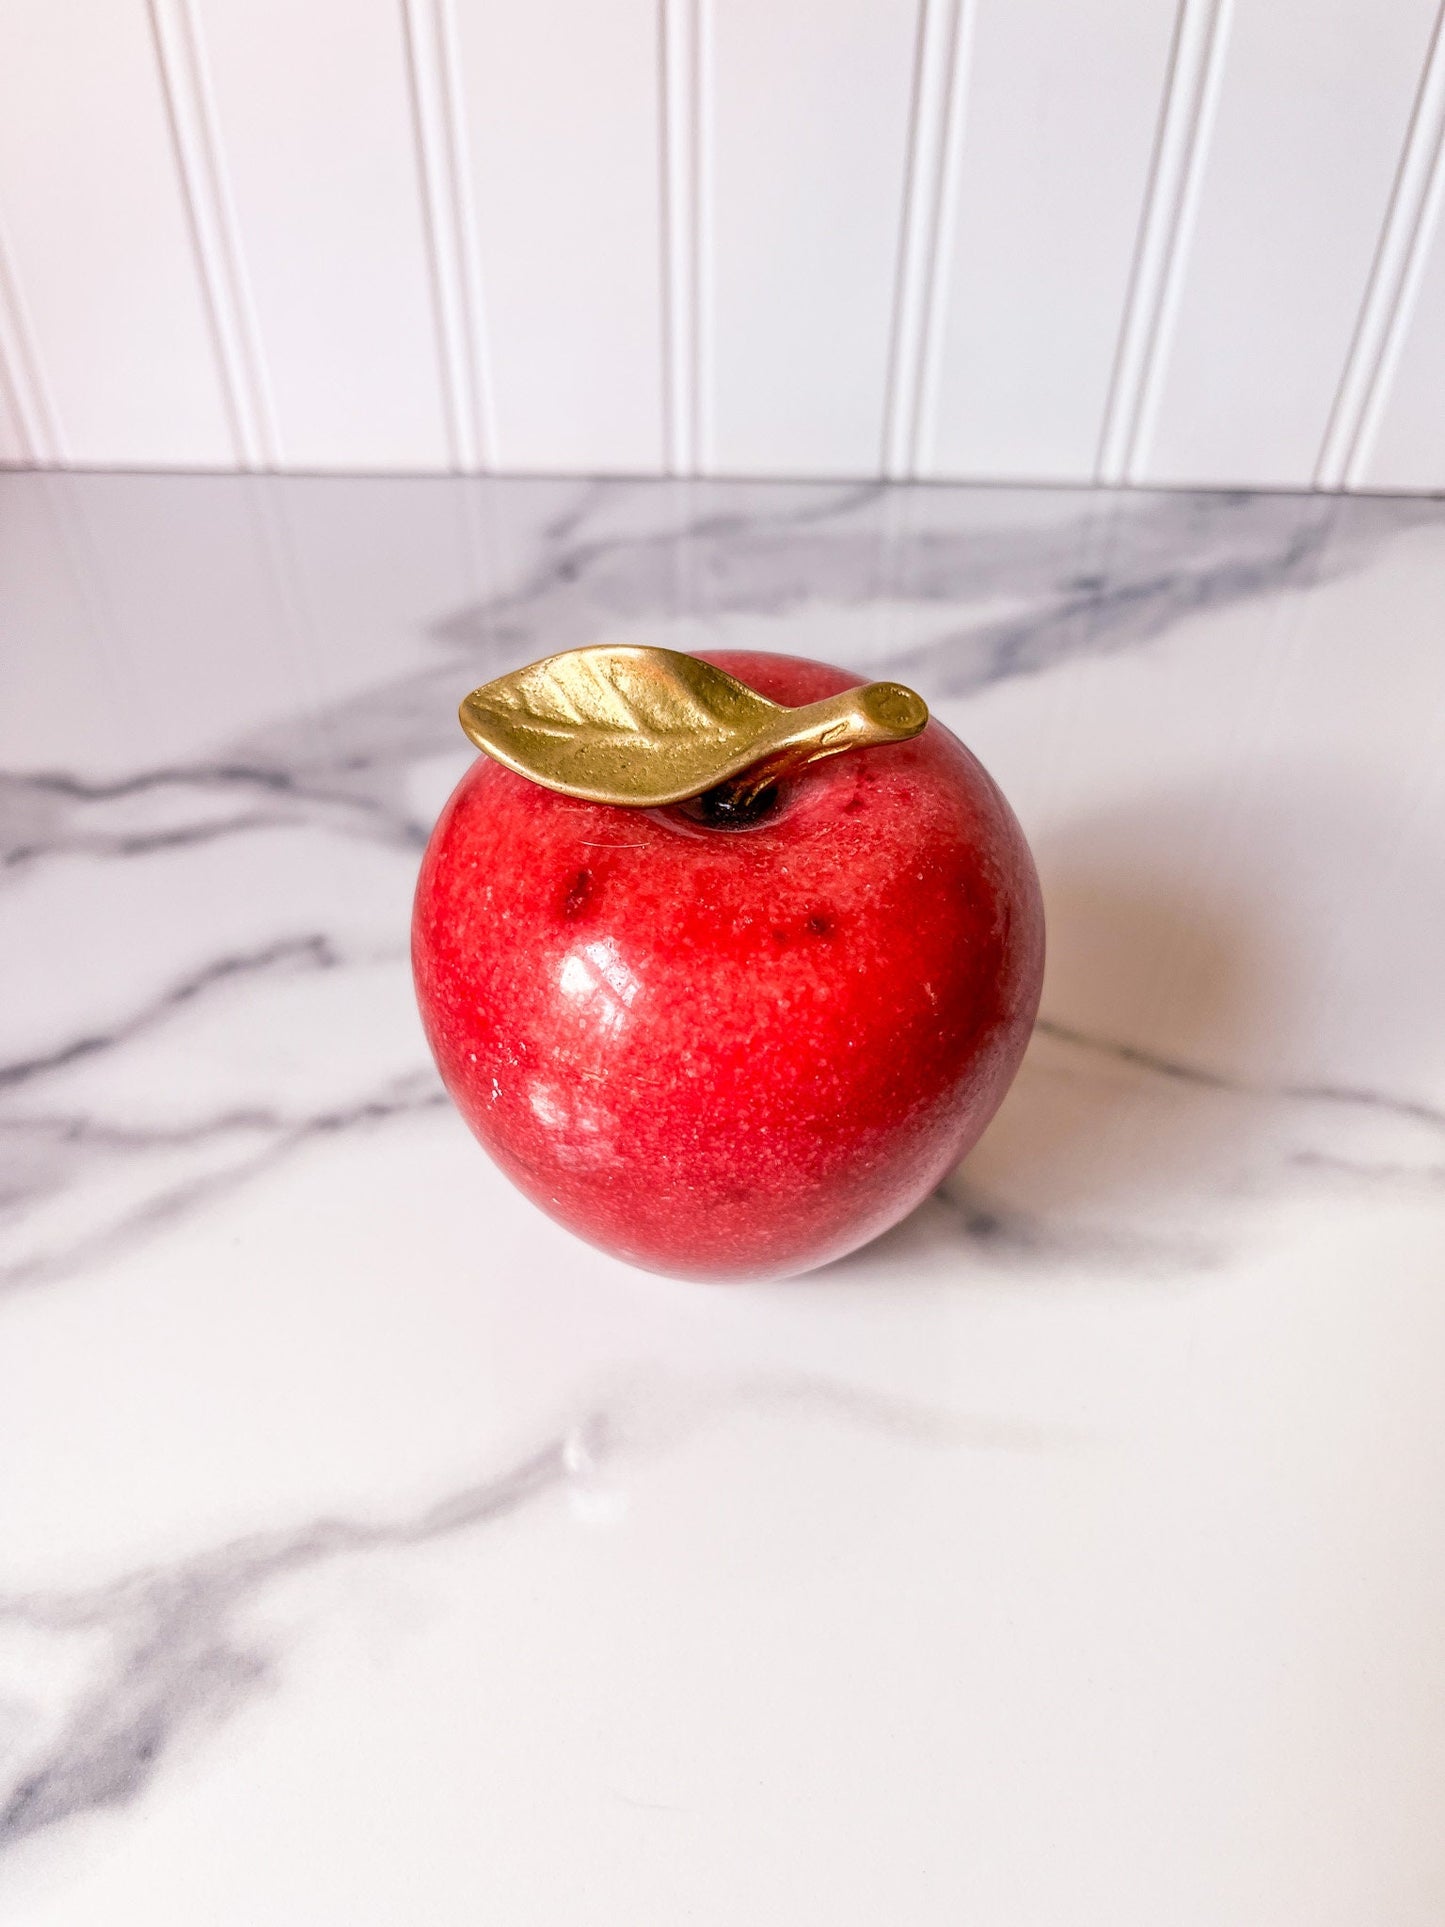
(733, 1053)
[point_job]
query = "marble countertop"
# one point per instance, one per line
(373, 1552)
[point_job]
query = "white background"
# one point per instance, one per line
(1061, 240)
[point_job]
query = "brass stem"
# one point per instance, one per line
(879, 712)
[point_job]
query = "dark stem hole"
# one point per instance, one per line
(731, 807)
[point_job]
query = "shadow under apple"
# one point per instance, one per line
(1137, 1105)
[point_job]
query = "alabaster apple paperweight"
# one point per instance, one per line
(726, 959)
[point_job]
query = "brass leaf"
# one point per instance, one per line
(636, 725)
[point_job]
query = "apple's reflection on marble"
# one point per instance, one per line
(1104, 1149)
(1144, 1159)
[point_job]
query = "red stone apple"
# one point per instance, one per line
(733, 1052)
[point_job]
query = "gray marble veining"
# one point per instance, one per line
(228, 719)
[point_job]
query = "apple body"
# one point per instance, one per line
(733, 1052)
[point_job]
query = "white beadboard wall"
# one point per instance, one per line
(1128, 241)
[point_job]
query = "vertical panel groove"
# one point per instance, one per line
(20, 372)
(920, 267)
(679, 26)
(704, 251)
(464, 214)
(9, 400)
(456, 281)
(1394, 281)
(1191, 95)
(215, 234)
(941, 243)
